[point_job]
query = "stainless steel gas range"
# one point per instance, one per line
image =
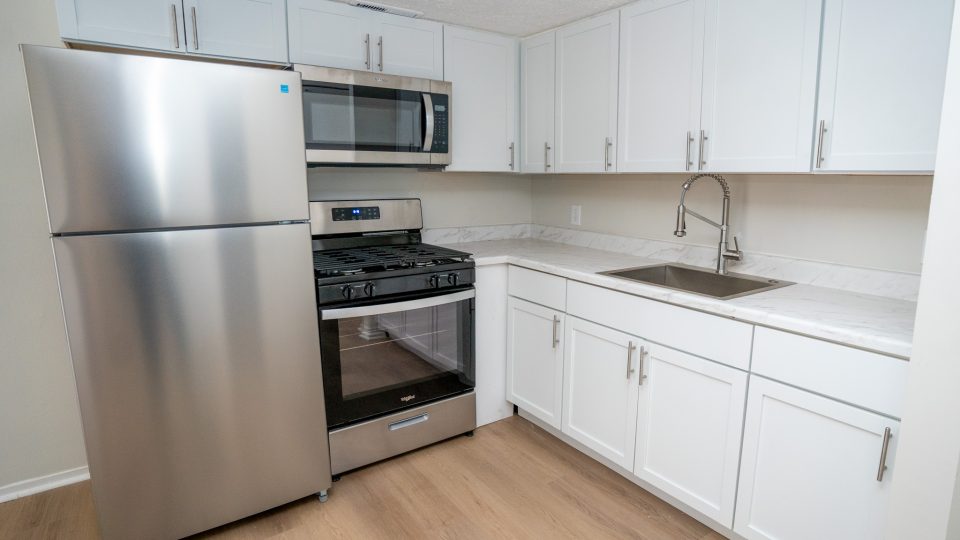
(396, 331)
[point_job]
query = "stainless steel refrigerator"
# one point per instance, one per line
(177, 199)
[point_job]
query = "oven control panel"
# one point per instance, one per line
(356, 213)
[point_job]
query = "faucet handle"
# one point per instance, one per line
(734, 254)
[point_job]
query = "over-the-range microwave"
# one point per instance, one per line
(358, 118)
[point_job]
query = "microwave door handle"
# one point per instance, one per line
(394, 307)
(428, 112)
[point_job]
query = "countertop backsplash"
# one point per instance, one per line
(899, 285)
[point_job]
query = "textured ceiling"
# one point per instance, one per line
(513, 17)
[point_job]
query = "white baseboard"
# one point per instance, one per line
(23, 488)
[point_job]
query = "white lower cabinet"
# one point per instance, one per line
(535, 359)
(810, 465)
(600, 389)
(689, 423)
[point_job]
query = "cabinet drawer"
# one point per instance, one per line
(870, 380)
(716, 338)
(538, 287)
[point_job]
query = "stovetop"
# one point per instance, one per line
(363, 261)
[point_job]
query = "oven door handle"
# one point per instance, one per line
(380, 309)
(428, 112)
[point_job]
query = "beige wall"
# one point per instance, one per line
(39, 420)
(869, 221)
(449, 199)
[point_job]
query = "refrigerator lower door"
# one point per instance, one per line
(197, 362)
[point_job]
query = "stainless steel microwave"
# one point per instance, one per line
(358, 118)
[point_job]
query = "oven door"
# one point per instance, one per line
(382, 357)
(348, 123)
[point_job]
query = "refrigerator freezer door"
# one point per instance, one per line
(130, 142)
(197, 360)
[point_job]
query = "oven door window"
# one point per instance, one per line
(380, 362)
(362, 118)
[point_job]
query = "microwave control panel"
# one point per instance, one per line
(441, 124)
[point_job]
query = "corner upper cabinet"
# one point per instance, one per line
(147, 24)
(249, 29)
(586, 103)
(537, 97)
(661, 67)
(333, 34)
(759, 85)
(812, 467)
(535, 359)
(483, 69)
(882, 76)
(246, 29)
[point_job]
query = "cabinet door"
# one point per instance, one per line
(491, 348)
(600, 389)
(688, 429)
(535, 359)
(537, 97)
(809, 467)
(759, 85)
(586, 109)
(330, 34)
(150, 24)
(661, 66)
(483, 69)
(254, 29)
(408, 47)
(881, 84)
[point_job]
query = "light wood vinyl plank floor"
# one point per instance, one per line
(511, 480)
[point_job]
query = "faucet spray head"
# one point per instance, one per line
(681, 229)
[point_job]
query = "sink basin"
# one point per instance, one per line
(697, 280)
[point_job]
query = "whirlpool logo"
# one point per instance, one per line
(407, 398)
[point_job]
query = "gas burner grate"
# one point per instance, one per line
(374, 258)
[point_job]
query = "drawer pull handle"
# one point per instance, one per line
(643, 355)
(413, 420)
(630, 348)
(887, 435)
(556, 327)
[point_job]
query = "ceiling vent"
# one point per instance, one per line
(383, 8)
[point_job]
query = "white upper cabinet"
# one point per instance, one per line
(661, 64)
(409, 47)
(249, 29)
(881, 84)
(537, 96)
(245, 29)
(688, 429)
(535, 359)
(483, 69)
(600, 389)
(330, 34)
(812, 467)
(333, 34)
(586, 103)
(759, 85)
(148, 24)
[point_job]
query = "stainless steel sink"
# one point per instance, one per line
(697, 280)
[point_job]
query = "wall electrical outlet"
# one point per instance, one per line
(575, 211)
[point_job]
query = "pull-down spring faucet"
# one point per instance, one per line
(724, 253)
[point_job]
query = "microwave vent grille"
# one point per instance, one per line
(383, 8)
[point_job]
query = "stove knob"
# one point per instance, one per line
(453, 278)
(346, 291)
(435, 281)
(369, 288)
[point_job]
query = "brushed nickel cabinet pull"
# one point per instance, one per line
(608, 143)
(556, 329)
(380, 46)
(703, 157)
(630, 348)
(887, 435)
(196, 39)
(366, 47)
(822, 130)
(643, 355)
(546, 157)
(176, 30)
(689, 162)
(512, 148)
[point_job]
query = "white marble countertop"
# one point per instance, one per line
(869, 322)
